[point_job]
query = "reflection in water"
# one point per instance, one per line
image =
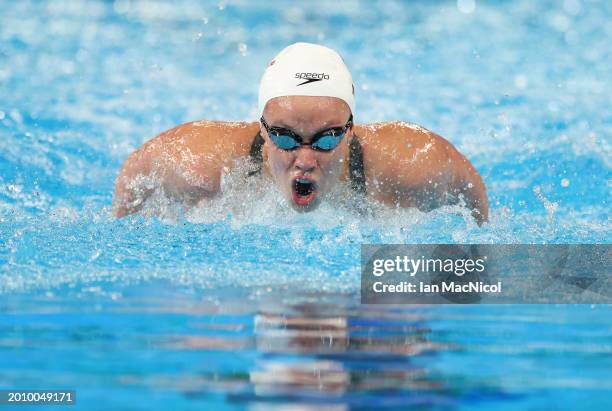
(245, 349)
(324, 351)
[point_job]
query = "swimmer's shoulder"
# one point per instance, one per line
(200, 149)
(393, 134)
(407, 164)
(187, 161)
(209, 138)
(398, 146)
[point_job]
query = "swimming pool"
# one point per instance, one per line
(245, 304)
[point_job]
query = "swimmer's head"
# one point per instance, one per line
(306, 95)
(305, 69)
(307, 172)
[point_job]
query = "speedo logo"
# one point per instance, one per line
(311, 77)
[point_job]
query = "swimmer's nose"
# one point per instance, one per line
(305, 159)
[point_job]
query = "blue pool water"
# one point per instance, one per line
(245, 304)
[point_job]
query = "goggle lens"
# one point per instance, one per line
(327, 142)
(321, 142)
(284, 142)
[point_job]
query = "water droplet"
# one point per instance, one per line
(520, 81)
(565, 182)
(242, 48)
(14, 188)
(16, 116)
(95, 255)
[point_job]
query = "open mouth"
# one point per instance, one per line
(304, 191)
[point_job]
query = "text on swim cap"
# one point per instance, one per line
(318, 76)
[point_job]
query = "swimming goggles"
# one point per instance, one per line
(288, 140)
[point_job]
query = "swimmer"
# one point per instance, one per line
(307, 142)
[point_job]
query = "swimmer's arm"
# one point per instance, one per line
(421, 169)
(468, 185)
(446, 167)
(129, 195)
(167, 163)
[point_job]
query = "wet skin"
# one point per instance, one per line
(404, 164)
(306, 117)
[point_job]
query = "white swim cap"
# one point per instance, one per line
(305, 69)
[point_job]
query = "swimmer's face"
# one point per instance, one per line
(305, 175)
